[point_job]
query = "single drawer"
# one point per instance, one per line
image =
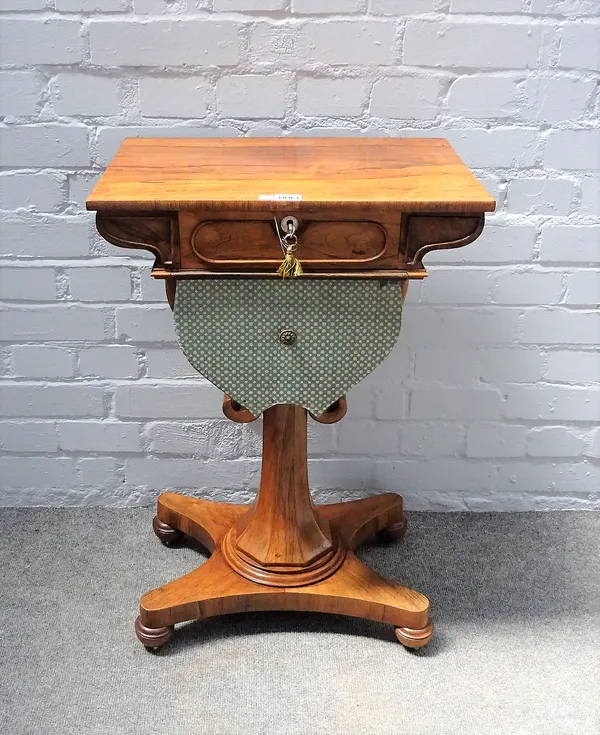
(327, 240)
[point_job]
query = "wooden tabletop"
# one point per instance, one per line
(405, 174)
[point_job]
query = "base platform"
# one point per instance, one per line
(216, 588)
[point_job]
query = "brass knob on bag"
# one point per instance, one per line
(288, 337)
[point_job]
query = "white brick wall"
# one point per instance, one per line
(492, 398)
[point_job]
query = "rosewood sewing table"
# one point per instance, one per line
(349, 222)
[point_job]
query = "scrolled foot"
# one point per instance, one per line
(415, 638)
(166, 533)
(392, 533)
(152, 638)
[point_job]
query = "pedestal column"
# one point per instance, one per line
(282, 540)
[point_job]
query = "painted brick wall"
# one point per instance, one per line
(492, 398)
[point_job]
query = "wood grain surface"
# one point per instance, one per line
(327, 239)
(368, 208)
(282, 552)
(404, 174)
(216, 589)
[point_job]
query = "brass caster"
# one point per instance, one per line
(415, 637)
(152, 638)
(165, 533)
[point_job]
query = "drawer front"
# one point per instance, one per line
(326, 241)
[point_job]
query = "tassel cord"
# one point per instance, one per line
(291, 266)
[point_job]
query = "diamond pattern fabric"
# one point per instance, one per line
(236, 333)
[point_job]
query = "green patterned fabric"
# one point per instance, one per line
(230, 331)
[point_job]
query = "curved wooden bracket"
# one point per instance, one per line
(424, 233)
(236, 412)
(156, 233)
(334, 413)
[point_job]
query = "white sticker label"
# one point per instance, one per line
(280, 197)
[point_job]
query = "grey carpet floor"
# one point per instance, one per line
(515, 597)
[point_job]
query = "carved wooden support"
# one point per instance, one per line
(423, 233)
(159, 234)
(334, 413)
(236, 412)
(282, 541)
(156, 233)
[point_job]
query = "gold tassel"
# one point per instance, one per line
(290, 268)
